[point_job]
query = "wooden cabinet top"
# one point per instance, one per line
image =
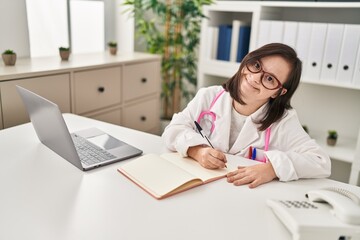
(28, 67)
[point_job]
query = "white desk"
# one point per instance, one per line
(44, 197)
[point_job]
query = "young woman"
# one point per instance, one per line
(250, 115)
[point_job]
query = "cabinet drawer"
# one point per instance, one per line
(143, 116)
(56, 88)
(141, 79)
(112, 116)
(96, 89)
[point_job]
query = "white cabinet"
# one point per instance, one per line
(56, 88)
(141, 80)
(141, 110)
(321, 105)
(96, 89)
(121, 89)
(142, 116)
(111, 115)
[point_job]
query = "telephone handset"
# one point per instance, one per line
(329, 213)
(346, 205)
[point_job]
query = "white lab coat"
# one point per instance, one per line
(292, 153)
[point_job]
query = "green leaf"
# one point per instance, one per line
(179, 67)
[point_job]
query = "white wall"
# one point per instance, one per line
(13, 27)
(124, 28)
(323, 108)
(110, 20)
(15, 35)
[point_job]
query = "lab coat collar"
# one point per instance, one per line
(223, 109)
(249, 131)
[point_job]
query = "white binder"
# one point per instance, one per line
(263, 32)
(290, 33)
(209, 42)
(332, 49)
(214, 42)
(302, 43)
(349, 49)
(276, 31)
(316, 51)
(236, 24)
(234, 39)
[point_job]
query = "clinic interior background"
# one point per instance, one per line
(321, 107)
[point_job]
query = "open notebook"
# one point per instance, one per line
(170, 173)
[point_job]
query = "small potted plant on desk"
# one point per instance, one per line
(332, 137)
(112, 47)
(64, 53)
(9, 57)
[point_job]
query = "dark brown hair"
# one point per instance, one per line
(278, 105)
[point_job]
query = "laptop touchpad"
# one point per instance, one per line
(106, 141)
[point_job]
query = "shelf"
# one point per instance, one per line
(344, 150)
(316, 101)
(220, 68)
(332, 84)
(228, 69)
(296, 4)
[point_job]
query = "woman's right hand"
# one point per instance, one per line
(207, 156)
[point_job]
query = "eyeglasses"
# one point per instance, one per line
(267, 80)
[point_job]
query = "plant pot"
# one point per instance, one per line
(64, 55)
(9, 59)
(331, 141)
(113, 50)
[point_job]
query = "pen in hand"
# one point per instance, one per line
(202, 134)
(198, 127)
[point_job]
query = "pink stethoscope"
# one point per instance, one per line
(212, 116)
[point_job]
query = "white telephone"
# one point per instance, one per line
(329, 213)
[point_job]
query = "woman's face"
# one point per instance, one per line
(271, 68)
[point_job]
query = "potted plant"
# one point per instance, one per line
(332, 137)
(112, 47)
(64, 53)
(173, 31)
(9, 57)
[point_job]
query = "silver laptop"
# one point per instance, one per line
(86, 149)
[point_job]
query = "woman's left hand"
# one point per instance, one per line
(253, 175)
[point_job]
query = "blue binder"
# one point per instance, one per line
(224, 42)
(243, 44)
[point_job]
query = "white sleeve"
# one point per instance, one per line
(297, 155)
(180, 134)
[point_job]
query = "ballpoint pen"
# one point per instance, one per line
(250, 152)
(198, 127)
(254, 154)
(201, 133)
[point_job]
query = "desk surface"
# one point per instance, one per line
(44, 197)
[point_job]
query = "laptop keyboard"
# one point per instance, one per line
(88, 152)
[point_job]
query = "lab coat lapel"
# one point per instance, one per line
(222, 108)
(249, 133)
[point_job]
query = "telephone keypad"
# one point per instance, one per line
(298, 204)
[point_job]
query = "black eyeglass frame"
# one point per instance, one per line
(279, 86)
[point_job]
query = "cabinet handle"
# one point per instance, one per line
(101, 89)
(314, 64)
(346, 67)
(329, 65)
(143, 118)
(143, 80)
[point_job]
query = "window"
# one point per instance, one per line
(50, 27)
(87, 26)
